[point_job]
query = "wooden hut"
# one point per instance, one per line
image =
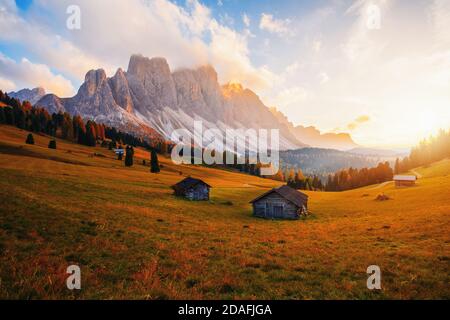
(404, 181)
(192, 189)
(281, 203)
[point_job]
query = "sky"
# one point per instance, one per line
(377, 69)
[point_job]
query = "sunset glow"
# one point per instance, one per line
(322, 64)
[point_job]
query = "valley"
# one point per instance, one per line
(134, 240)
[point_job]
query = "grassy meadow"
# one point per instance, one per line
(134, 240)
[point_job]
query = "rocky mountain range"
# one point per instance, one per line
(313, 137)
(149, 99)
(32, 96)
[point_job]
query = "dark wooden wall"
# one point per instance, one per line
(268, 207)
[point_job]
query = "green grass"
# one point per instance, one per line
(134, 240)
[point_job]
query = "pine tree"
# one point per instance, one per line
(20, 118)
(9, 116)
(81, 136)
(315, 182)
(30, 139)
(67, 127)
(91, 134)
(397, 166)
(52, 144)
(154, 163)
(129, 156)
(291, 178)
(2, 116)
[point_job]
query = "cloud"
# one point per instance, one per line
(440, 16)
(317, 45)
(323, 77)
(246, 20)
(48, 46)
(27, 74)
(113, 30)
(292, 96)
(292, 68)
(357, 122)
(7, 85)
(272, 25)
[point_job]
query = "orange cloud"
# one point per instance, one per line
(358, 121)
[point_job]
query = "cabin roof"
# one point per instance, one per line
(404, 178)
(296, 197)
(189, 183)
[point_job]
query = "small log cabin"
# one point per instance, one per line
(192, 189)
(281, 203)
(404, 181)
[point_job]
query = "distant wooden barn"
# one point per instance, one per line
(405, 181)
(281, 203)
(192, 189)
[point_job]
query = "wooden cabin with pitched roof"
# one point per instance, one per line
(404, 181)
(281, 203)
(192, 189)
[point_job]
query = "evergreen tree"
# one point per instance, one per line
(81, 136)
(91, 134)
(9, 116)
(291, 178)
(112, 145)
(52, 144)
(67, 127)
(2, 116)
(154, 163)
(129, 156)
(316, 183)
(30, 139)
(20, 117)
(397, 166)
(329, 185)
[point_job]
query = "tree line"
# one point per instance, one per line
(297, 180)
(75, 129)
(352, 178)
(430, 150)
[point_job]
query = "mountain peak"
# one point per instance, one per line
(93, 80)
(140, 65)
(232, 88)
(150, 95)
(31, 95)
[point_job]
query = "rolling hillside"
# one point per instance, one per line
(133, 239)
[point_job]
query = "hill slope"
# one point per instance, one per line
(133, 239)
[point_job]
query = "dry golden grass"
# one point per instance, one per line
(133, 239)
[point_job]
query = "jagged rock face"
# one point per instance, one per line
(94, 96)
(151, 84)
(248, 109)
(199, 93)
(121, 90)
(313, 137)
(104, 100)
(52, 103)
(149, 95)
(32, 96)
